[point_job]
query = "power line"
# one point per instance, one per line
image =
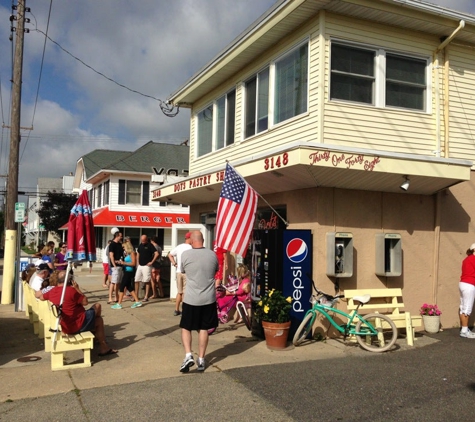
(39, 79)
(168, 110)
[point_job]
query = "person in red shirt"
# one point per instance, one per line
(467, 291)
(74, 317)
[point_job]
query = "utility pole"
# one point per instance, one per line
(12, 181)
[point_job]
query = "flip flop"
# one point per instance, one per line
(111, 301)
(109, 352)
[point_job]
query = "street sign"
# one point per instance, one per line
(19, 216)
(19, 206)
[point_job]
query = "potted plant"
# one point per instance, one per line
(273, 311)
(431, 317)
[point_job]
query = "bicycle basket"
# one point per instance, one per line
(325, 301)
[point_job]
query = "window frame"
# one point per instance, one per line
(124, 192)
(379, 90)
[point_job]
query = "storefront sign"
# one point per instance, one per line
(345, 160)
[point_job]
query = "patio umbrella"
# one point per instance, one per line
(81, 241)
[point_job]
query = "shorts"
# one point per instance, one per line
(180, 283)
(89, 321)
(143, 274)
(467, 296)
(106, 268)
(117, 274)
(196, 318)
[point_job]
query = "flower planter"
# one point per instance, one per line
(431, 323)
(276, 334)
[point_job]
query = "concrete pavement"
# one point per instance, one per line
(150, 353)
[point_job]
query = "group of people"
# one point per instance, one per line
(125, 268)
(197, 284)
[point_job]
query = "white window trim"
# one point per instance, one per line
(379, 100)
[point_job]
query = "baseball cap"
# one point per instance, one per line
(188, 235)
(41, 265)
(472, 248)
(114, 230)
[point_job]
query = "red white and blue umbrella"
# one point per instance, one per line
(81, 238)
(81, 242)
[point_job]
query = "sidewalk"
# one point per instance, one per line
(150, 348)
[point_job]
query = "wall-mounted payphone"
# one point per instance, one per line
(388, 254)
(339, 254)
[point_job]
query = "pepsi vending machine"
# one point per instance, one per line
(281, 260)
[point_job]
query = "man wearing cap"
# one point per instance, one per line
(175, 258)
(115, 256)
(42, 273)
(467, 292)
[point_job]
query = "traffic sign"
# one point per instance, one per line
(19, 206)
(19, 216)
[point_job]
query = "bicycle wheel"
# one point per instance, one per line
(241, 308)
(386, 333)
(304, 328)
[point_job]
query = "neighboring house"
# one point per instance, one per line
(35, 233)
(119, 185)
(329, 109)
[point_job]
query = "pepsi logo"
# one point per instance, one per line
(296, 250)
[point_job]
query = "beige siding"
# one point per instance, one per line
(462, 102)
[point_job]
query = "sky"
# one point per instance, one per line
(150, 46)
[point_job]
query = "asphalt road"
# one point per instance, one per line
(430, 383)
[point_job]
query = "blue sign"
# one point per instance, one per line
(297, 263)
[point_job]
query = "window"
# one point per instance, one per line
(257, 103)
(216, 124)
(99, 196)
(291, 85)
(356, 72)
(134, 192)
(289, 92)
(105, 200)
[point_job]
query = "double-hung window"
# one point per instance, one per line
(105, 200)
(134, 192)
(216, 124)
(377, 77)
(278, 92)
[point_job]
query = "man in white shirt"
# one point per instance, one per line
(175, 258)
(42, 273)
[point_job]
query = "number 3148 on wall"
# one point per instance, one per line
(276, 161)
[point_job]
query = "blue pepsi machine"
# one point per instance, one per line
(281, 260)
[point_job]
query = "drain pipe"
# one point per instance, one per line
(438, 197)
(435, 62)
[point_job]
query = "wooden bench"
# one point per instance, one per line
(44, 321)
(390, 303)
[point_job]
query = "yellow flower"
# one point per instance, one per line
(260, 303)
(266, 309)
(270, 293)
(289, 299)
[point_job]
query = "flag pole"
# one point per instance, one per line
(272, 208)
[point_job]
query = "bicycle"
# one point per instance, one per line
(374, 332)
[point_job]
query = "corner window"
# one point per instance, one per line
(216, 124)
(376, 77)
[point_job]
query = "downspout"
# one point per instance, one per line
(438, 197)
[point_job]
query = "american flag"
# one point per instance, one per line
(236, 213)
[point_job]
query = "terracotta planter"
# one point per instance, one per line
(431, 323)
(276, 334)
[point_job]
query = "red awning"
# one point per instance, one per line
(105, 217)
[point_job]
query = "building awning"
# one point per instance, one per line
(306, 165)
(104, 217)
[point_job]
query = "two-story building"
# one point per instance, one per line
(119, 184)
(353, 119)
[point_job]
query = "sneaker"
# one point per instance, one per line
(176, 313)
(201, 365)
(188, 362)
(467, 334)
(136, 305)
(119, 306)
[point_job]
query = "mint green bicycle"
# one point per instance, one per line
(374, 332)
